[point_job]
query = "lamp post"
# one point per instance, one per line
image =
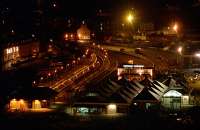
(198, 56)
(129, 20)
(175, 27)
(179, 54)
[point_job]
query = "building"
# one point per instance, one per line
(16, 52)
(93, 103)
(37, 98)
(83, 33)
(71, 34)
(117, 97)
(146, 27)
(176, 97)
(134, 72)
(175, 100)
(139, 36)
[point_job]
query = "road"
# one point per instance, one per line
(193, 79)
(91, 73)
(161, 60)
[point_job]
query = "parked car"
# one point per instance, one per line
(139, 51)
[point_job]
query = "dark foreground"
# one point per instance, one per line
(133, 121)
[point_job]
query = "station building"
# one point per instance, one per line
(118, 97)
(134, 71)
(122, 96)
(31, 99)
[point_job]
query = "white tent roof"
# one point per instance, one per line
(172, 93)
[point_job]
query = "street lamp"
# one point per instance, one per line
(175, 27)
(130, 18)
(197, 55)
(179, 53)
(179, 50)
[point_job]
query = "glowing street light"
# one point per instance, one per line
(49, 74)
(54, 5)
(66, 35)
(197, 55)
(34, 82)
(180, 49)
(179, 53)
(175, 27)
(130, 18)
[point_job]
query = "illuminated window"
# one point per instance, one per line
(36, 104)
(13, 104)
(22, 104)
(92, 94)
(17, 48)
(83, 110)
(7, 51)
(11, 50)
(111, 109)
(140, 71)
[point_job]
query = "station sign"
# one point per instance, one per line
(133, 66)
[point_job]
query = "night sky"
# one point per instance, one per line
(85, 6)
(187, 11)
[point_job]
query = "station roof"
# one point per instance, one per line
(33, 93)
(124, 91)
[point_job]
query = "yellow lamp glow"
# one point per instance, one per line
(175, 27)
(130, 18)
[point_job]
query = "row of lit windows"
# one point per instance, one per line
(80, 36)
(69, 36)
(138, 71)
(12, 50)
(23, 105)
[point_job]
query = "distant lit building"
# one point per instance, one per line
(139, 36)
(70, 36)
(83, 32)
(134, 72)
(169, 31)
(71, 33)
(11, 56)
(146, 27)
(17, 52)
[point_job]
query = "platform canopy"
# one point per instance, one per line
(172, 93)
